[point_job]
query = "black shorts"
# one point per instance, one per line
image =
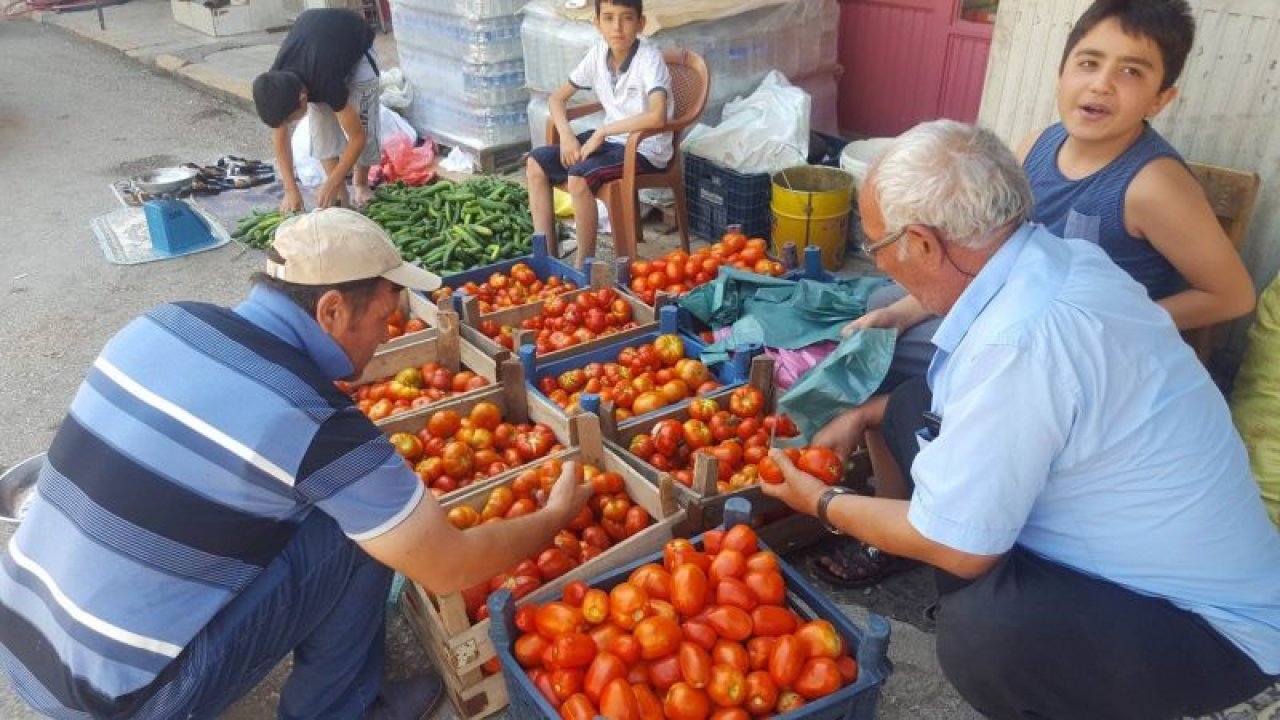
(604, 165)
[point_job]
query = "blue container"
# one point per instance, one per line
(718, 197)
(811, 268)
(870, 645)
(734, 372)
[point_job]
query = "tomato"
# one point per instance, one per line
(617, 701)
(746, 401)
(380, 410)
(532, 445)
(696, 434)
(627, 605)
(641, 446)
(761, 693)
(605, 668)
(596, 537)
(673, 391)
(657, 607)
(769, 471)
(664, 672)
(667, 436)
(819, 677)
(700, 633)
(727, 563)
(647, 402)
(653, 579)
(762, 561)
(695, 664)
(693, 373)
(520, 585)
(688, 589)
(647, 702)
(486, 415)
(625, 647)
(732, 591)
(767, 585)
(552, 563)
(529, 649)
(566, 683)
(578, 707)
(758, 651)
(557, 618)
(712, 541)
(731, 653)
(731, 623)
(525, 619)
(685, 702)
(670, 348)
(741, 538)
(458, 457)
(728, 687)
(463, 517)
(820, 639)
(595, 606)
(786, 661)
(408, 445)
(724, 426)
(571, 650)
(637, 519)
(772, 620)
(541, 680)
(606, 482)
(822, 463)
(658, 636)
(848, 668)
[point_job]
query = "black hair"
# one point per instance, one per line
(275, 95)
(359, 293)
(637, 5)
(1168, 23)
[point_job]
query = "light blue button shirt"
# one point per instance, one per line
(1078, 424)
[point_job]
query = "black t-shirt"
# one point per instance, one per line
(323, 47)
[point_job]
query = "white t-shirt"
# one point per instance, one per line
(625, 94)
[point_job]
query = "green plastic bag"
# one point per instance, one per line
(845, 379)
(1255, 399)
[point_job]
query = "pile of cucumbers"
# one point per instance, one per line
(450, 227)
(258, 228)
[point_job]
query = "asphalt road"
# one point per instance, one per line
(75, 117)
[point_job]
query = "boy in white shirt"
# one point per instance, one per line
(633, 84)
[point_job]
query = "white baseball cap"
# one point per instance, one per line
(337, 245)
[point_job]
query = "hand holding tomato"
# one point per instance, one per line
(568, 496)
(798, 490)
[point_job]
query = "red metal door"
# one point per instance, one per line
(906, 61)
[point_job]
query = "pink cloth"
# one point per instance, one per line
(789, 365)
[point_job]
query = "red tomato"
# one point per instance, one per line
(653, 579)
(820, 639)
(767, 585)
(732, 591)
(772, 620)
(695, 664)
(786, 661)
(627, 605)
(822, 463)
(746, 401)
(701, 633)
(688, 589)
(606, 668)
(728, 687)
(741, 538)
(731, 653)
(658, 636)
(820, 676)
(762, 693)
(685, 702)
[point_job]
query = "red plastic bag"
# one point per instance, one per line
(403, 162)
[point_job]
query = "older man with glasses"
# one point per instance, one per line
(1101, 548)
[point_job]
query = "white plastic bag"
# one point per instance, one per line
(764, 132)
(309, 171)
(397, 92)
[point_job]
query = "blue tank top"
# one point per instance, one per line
(1092, 208)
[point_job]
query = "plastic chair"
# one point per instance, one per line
(1231, 194)
(690, 84)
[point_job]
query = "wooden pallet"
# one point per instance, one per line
(459, 648)
(492, 160)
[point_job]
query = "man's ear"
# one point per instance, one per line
(332, 312)
(1162, 101)
(925, 246)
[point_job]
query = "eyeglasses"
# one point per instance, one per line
(871, 249)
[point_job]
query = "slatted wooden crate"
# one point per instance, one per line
(459, 648)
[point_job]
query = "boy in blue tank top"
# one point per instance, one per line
(1101, 174)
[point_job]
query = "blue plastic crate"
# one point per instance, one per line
(718, 197)
(870, 645)
(734, 372)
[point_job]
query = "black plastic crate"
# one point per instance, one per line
(718, 197)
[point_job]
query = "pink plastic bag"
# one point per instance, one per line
(790, 365)
(403, 162)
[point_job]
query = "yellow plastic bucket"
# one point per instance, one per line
(810, 206)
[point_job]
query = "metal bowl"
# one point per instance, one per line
(164, 180)
(17, 488)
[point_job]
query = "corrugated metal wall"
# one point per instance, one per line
(1226, 114)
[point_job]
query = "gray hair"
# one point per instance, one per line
(959, 179)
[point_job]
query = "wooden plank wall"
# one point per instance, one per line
(1226, 112)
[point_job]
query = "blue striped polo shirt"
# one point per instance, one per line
(1092, 208)
(199, 440)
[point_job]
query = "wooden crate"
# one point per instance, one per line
(473, 694)
(456, 646)
(443, 344)
(643, 315)
(411, 307)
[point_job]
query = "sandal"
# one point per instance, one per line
(855, 564)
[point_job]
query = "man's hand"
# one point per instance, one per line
(901, 316)
(844, 433)
(333, 193)
(593, 144)
(570, 151)
(292, 201)
(799, 490)
(568, 496)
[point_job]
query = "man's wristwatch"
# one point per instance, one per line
(824, 500)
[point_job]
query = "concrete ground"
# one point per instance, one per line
(77, 115)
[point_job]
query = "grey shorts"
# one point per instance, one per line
(327, 137)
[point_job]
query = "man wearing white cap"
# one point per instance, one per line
(212, 503)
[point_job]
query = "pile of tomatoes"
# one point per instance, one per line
(736, 437)
(706, 634)
(644, 378)
(410, 389)
(504, 290)
(609, 517)
(678, 272)
(397, 325)
(565, 322)
(452, 451)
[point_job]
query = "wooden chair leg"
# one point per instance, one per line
(682, 212)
